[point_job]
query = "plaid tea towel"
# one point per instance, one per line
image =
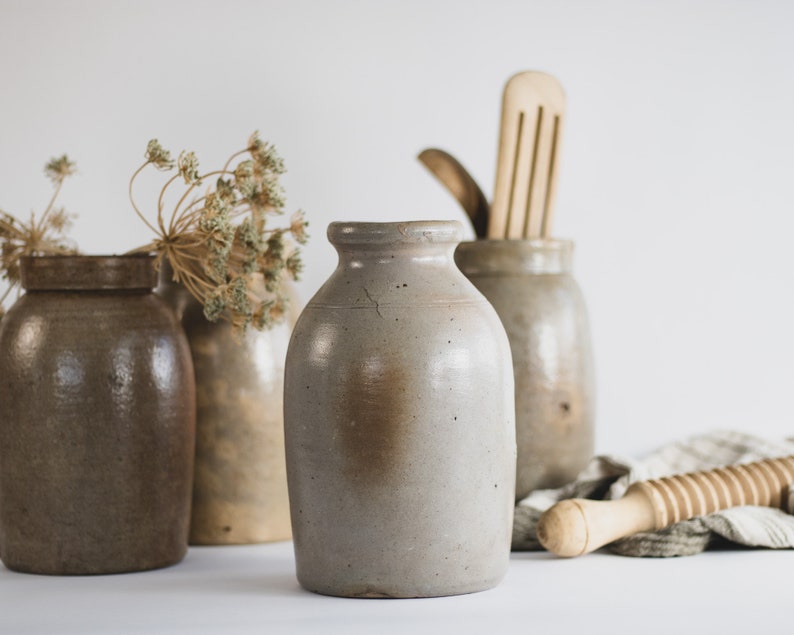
(608, 478)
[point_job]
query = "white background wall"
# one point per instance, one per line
(677, 162)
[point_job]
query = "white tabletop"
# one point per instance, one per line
(252, 589)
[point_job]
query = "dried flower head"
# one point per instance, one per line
(297, 227)
(42, 236)
(158, 156)
(188, 167)
(265, 155)
(57, 169)
(220, 243)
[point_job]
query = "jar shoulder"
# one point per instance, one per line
(396, 285)
(42, 326)
(91, 308)
(460, 333)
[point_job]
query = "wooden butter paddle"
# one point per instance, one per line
(577, 526)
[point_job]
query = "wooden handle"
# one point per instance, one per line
(451, 173)
(533, 107)
(578, 526)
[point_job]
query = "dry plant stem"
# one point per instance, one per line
(194, 284)
(232, 158)
(187, 218)
(6, 294)
(172, 224)
(50, 205)
(160, 204)
(134, 206)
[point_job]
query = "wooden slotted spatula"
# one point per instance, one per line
(533, 107)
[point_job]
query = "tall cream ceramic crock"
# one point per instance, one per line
(399, 420)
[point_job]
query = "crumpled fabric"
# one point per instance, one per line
(608, 478)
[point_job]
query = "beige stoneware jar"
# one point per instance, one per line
(530, 284)
(399, 421)
(240, 484)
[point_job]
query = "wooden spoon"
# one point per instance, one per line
(461, 184)
(533, 106)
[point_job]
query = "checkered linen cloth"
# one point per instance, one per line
(608, 478)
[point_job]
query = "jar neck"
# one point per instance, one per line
(515, 257)
(367, 244)
(88, 273)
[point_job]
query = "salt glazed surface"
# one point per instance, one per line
(399, 421)
(530, 284)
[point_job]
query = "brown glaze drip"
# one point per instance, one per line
(373, 401)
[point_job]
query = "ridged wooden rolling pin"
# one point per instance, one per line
(577, 526)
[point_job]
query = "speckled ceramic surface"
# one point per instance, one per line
(399, 421)
(97, 417)
(529, 282)
(240, 485)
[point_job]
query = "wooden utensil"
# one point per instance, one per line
(461, 184)
(577, 526)
(533, 107)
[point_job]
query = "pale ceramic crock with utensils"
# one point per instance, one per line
(531, 286)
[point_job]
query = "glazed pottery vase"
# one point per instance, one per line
(240, 477)
(399, 421)
(529, 283)
(97, 420)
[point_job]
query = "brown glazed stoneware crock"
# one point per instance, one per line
(97, 420)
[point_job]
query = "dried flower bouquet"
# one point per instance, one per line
(219, 242)
(42, 236)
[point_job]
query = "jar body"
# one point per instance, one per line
(240, 477)
(530, 285)
(97, 422)
(399, 422)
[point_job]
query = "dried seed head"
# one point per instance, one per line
(297, 227)
(57, 169)
(215, 305)
(158, 156)
(188, 167)
(265, 155)
(40, 236)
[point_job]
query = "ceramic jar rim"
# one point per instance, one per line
(534, 255)
(413, 232)
(88, 273)
(545, 244)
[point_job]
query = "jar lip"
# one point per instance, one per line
(378, 233)
(498, 257)
(88, 273)
(539, 244)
